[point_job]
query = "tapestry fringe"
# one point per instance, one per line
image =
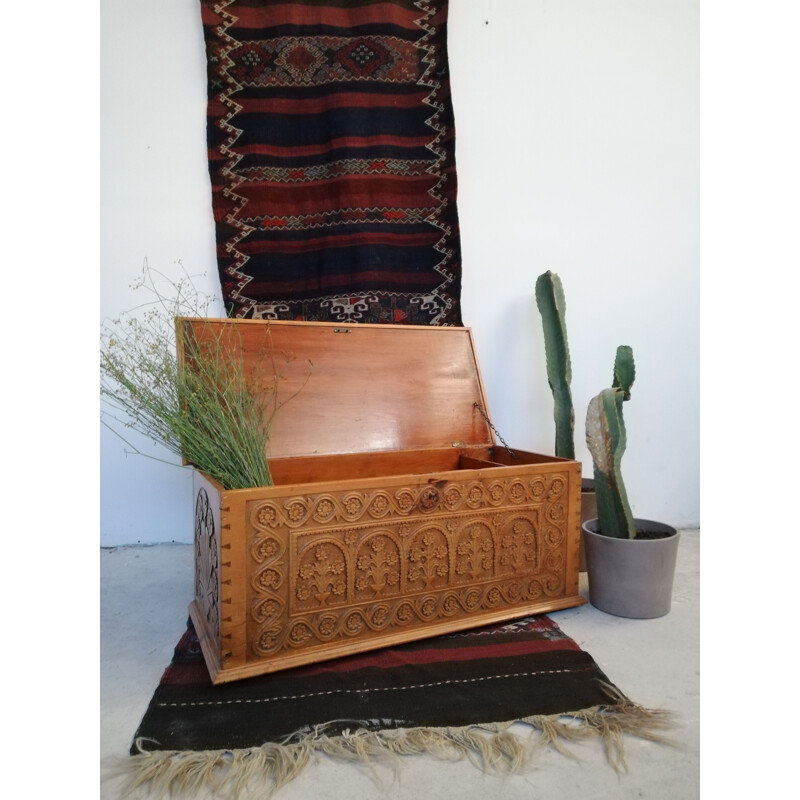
(492, 748)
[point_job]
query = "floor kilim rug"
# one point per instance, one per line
(450, 697)
(331, 150)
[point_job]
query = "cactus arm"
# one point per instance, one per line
(606, 439)
(624, 370)
(551, 303)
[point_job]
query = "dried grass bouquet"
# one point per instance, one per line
(206, 407)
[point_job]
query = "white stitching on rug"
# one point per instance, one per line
(381, 689)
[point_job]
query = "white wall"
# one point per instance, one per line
(577, 151)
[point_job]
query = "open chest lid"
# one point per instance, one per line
(362, 388)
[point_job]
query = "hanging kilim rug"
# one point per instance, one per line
(450, 697)
(331, 152)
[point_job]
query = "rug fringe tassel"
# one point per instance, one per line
(491, 748)
(610, 723)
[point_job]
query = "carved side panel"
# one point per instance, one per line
(206, 553)
(340, 566)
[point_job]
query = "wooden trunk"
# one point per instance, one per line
(393, 515)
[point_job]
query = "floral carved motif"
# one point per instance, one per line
(474, 552)
(325, 509)
(267, 610)
(475, 496)
(428, 562)
(266, 549)
(377, 567)
(453, 496)
(266, 516)
(269, 579)
(518, 547)
(497, 492)
(405, 500)
(206, 550)
(380, 505)
(538, 486)
(321, 577)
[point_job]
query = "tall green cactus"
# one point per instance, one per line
(551, 303)
(606, 439)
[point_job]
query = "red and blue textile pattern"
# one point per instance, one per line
(331, 151)
(497, 673)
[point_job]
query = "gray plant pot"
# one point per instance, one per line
(631, 577)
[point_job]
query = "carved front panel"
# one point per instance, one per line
(339, 566)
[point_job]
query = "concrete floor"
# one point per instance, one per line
(144, 596)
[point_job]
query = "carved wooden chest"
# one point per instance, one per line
(393, 515)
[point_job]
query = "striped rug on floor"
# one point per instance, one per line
(451, 696)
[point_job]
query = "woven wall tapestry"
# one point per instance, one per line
(331, 152)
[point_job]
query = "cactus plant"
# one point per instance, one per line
(551, 303)
(606, 439)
